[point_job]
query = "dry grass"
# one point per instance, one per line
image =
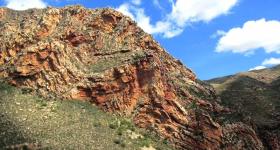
(25, 118)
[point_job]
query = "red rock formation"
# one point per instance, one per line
(239, 136)
(102, 56)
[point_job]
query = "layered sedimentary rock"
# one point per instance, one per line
(103, 57)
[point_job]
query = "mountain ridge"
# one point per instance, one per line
(254, 99)
(102, 57)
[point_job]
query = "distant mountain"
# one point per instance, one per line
(254, 98)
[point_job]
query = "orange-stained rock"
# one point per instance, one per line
(103, 57)
(2, 13)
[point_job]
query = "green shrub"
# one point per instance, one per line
(117, 141)
(192, 105)
(26, 90)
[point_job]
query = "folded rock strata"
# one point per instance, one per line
(102, 56)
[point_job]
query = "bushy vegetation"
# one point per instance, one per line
(253, 96)
(25, 118)
(117, 60)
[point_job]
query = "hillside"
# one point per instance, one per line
(254, 98)
(102, 58)
(28, 121)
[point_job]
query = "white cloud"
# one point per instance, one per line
(157, 4)
(271, 61)
(218, 34)
(183, 13)
(25, 4)
(125, 9)
(253, 35)
(267, 63)
(136, 2)
(257, 68)
(144, 21)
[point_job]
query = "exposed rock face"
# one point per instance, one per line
(240, 136)
(102, 56)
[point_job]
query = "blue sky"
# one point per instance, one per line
(212, 37)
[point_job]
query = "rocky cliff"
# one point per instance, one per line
(103, 57)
